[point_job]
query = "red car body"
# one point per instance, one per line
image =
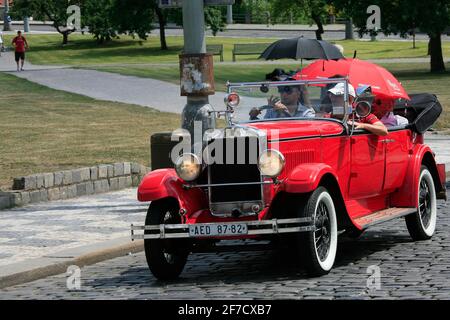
(329, 179)
(372, 172)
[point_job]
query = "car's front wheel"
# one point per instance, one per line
(166, 258)
(318, 248)
(422, 224)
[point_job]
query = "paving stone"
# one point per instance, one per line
(54, 194)
(49, 180)
(110, 170)
(102, 171)
(93, 173)
(58, 178)
(122, 182)
(118, 169)
(126, 168)
(135, 168)
(101, 186)
(67, 178)
(76, 176)
(40, 181)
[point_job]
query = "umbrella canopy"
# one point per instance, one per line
(301, 48)
(360, 73)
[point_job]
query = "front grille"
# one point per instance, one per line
(231, 171)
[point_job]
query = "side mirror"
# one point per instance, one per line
(232, 100)
(363, 109)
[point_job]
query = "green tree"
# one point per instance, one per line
(97, 16)
(53, 10)
(401, 16)
(316, 10)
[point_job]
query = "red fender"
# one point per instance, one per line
(306, 177)
(164, 183)
(407, 195)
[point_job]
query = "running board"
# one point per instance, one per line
(382, 216)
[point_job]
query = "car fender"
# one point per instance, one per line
(164, 183)
(407, 195)
(306, 177)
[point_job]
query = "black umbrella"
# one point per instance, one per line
(301, 48)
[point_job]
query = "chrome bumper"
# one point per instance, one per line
(176, 231)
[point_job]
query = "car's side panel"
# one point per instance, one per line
(367, 166)
(397, 151)
(165, 183)
(407, 194)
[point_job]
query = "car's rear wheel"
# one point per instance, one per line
(422, 224)
(166, 258)
(318, 248)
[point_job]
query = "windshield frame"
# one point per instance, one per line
(347, 107)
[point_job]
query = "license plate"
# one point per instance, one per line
(213, 230)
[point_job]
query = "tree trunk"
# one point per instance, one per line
(318, 21)
(65, 38)
(162, 28)
(436, 59)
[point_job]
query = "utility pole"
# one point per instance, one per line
(6, 22)
(196, 70)
(349, 29)
(230, 14)
(26, 24)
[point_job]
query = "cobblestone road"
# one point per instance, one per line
(409, 270)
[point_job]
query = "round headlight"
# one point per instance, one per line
(188, 167)
(271, 163)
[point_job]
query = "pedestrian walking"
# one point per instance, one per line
(20, 45)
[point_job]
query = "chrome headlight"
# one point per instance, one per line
(271, 163)
(188, 167)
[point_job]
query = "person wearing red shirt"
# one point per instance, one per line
(370, 123)
(20, 45)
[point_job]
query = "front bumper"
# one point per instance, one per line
(262, 227)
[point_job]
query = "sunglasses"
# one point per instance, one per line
(285, 89)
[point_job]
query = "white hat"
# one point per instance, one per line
(339, 90)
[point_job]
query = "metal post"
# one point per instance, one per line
(230, 14)
(349, 29)
(26, 24)
(197, 108)
(6, 22)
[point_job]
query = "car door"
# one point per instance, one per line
(397, 148)
(367, 165)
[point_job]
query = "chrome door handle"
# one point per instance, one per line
(388, 140)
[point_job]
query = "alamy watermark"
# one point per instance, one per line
(374, 280)
(222, 146)
(74, 18)
(73, 281)
(374, 20)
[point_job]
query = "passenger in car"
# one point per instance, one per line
(370, 123)
(383, 109)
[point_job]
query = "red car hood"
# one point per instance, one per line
(286, 129)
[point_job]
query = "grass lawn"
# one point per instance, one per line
(83, 50)
(45, 130)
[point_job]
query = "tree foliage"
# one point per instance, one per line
(316, 10)
(401, 17)
(53, 10)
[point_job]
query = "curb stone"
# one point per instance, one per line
(32, 270)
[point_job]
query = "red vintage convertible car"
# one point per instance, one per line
(297, 180)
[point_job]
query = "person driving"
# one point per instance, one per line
(288, 105)
(370, 123)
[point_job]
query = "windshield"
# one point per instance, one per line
(290, 99)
